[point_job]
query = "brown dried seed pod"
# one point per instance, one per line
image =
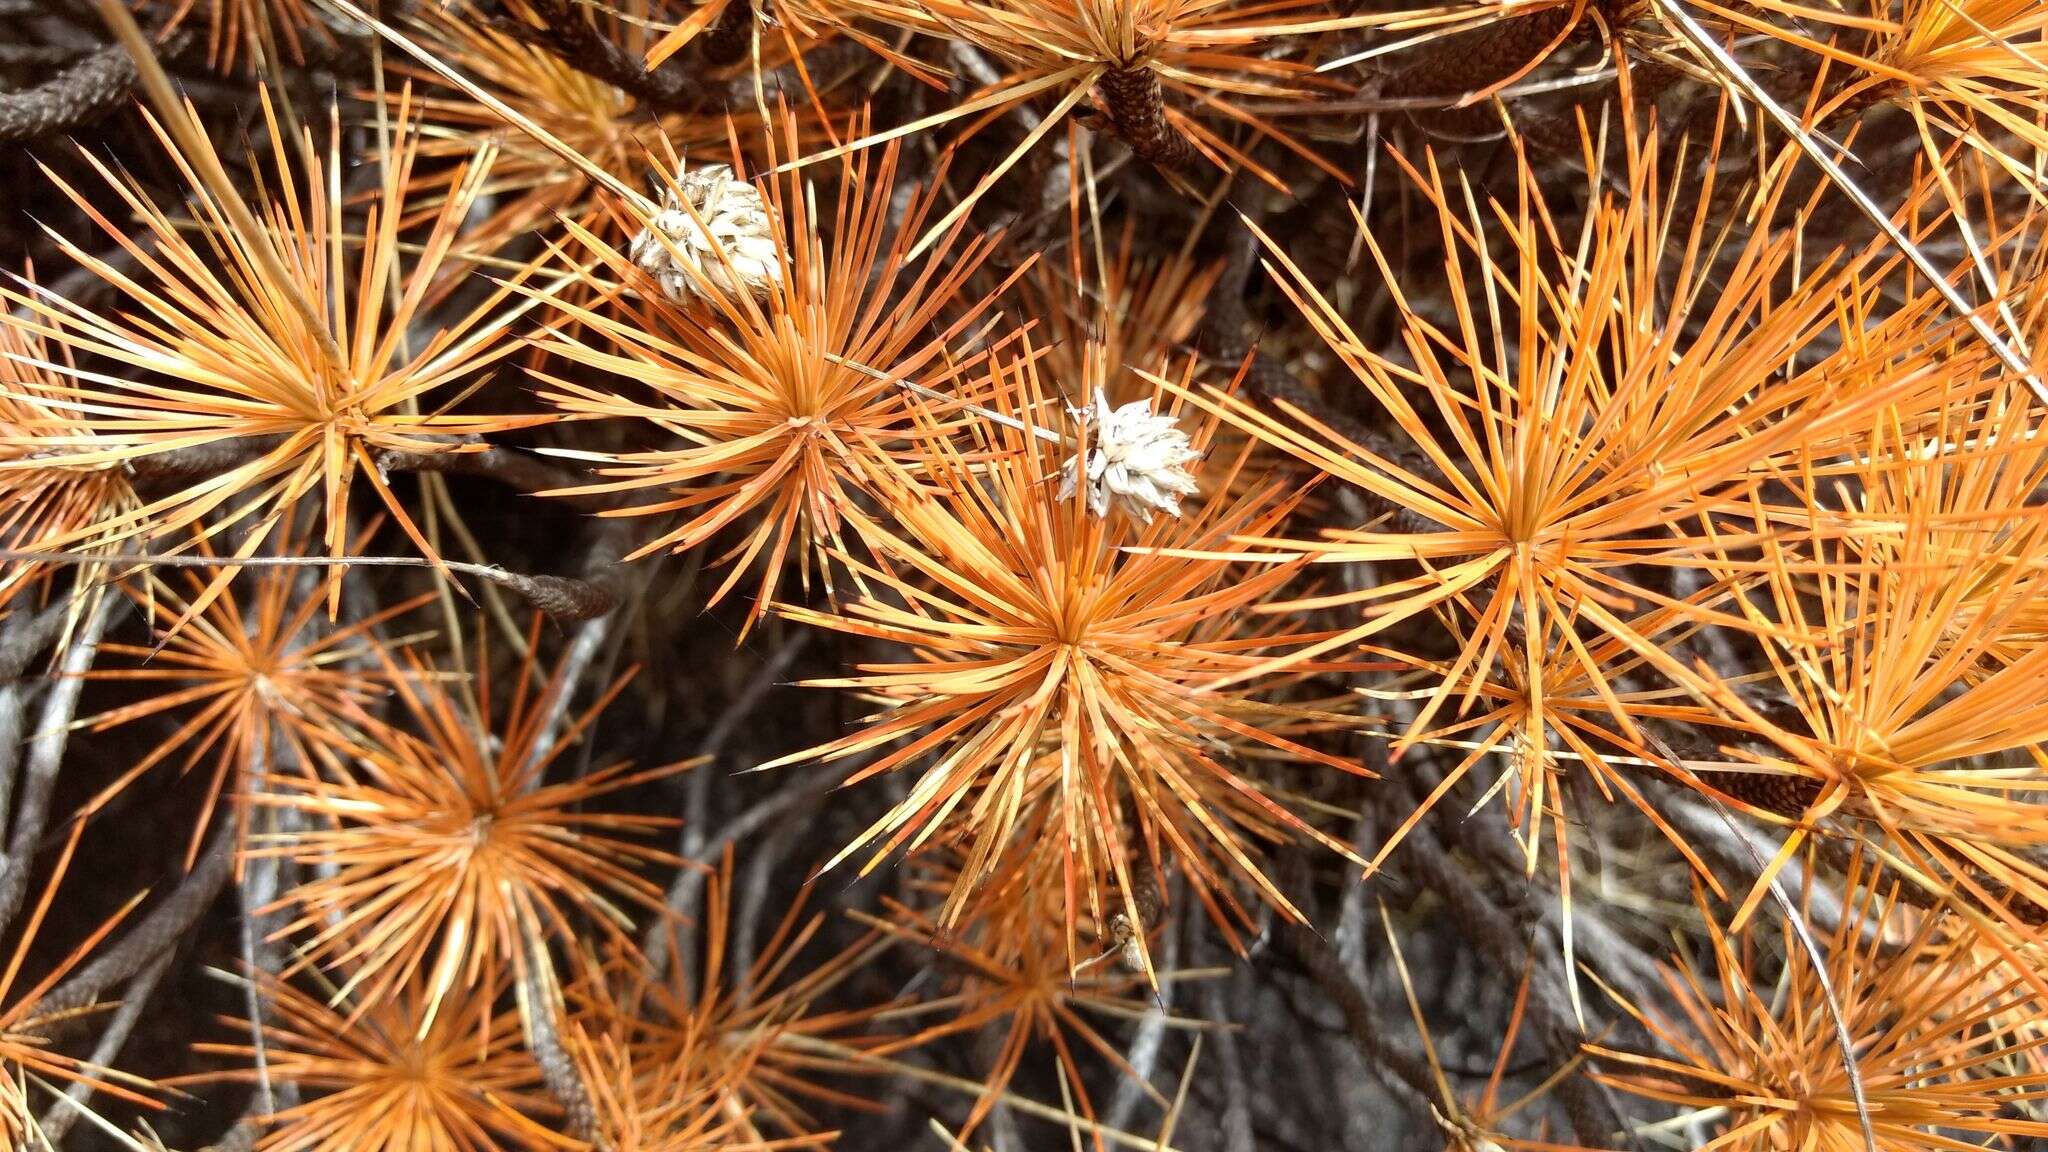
(1470, 61)
(1136, 107)
(561, 597)
(1788, 796)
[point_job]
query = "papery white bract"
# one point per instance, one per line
(1137, 460)
(730, 221)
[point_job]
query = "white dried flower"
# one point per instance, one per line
(735, 222)
(1136, 459)
(1130, 946)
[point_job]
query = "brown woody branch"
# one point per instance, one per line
(1319, 961)
(45, 754)
(567, 33)
(1480, 917)
(508, 466)
(155, 935)
(1225, 336)
(731, 37)
(563, 597)
(80, 94)
(1136, 108)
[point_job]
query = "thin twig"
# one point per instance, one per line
(634, 198)
(1374, 104)
(577, 43)
(560, 596)
(815, 1046)
(1237, 1113)
(1482, 920)
(1147, 1045)
(261, 881)
(508, 466)
(589, 641)
(1396, 1067)
(26, 635)
(913, 387)
(84, 91)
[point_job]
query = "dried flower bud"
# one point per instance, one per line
(735, 223)
(1129, 947)
(1136, 459)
